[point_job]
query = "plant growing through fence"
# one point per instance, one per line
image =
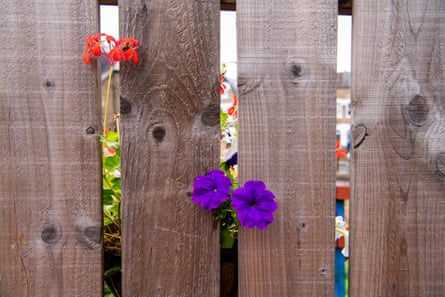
(251, 205)
(112, 51)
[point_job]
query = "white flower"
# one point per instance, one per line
(341, 231)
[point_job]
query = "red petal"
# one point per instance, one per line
(110, 38)
(117, 56)
(97, 50)
(86, 58)
(135, 58)
(127, 54)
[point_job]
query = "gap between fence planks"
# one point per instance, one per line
(287, 78)
(170, 127)
(50, 185)
(398, 202)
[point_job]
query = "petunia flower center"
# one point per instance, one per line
(252, 203)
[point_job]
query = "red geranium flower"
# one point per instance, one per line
(122, 49)
(94, 48)
(128, 47)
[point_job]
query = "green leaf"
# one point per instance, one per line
(107, 197)
(112, 162)
(223, 117)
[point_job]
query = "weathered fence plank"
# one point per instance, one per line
(170, 128)
(287, 75)
(398, 202)
(50, 193)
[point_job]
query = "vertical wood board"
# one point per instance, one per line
(287, 76)
(50, 189)
(398, 187)
(170, 134)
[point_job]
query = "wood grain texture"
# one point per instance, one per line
(398, 193)
(225, 4)
(50, 193)
(287, 77)
(170, 134)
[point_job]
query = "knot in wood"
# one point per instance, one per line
(296, 69)
(359, 132)
(210, 117)
(90, 130)
(159, 133)
(89, 235)
(50, 233)
(416, 112)
(323, 271)
(125, 105)
(48, 84)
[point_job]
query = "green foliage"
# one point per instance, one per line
(225, 214)
(107, 292)
(111, 192)
(224, 120)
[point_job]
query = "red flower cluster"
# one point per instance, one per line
(121, 49)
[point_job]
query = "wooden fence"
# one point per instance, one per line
(50, 195)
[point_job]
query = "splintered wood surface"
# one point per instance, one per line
(50, 185)
(287, 77)
(170, 128)
(398, 186)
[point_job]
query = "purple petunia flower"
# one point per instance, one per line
(233, 160)
(211, 190)
(254, 204)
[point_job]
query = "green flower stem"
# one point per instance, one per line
(110, 186)
(107, 96)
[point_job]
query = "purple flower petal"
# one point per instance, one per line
(210, 190)
(233, 160)
(254, 204)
